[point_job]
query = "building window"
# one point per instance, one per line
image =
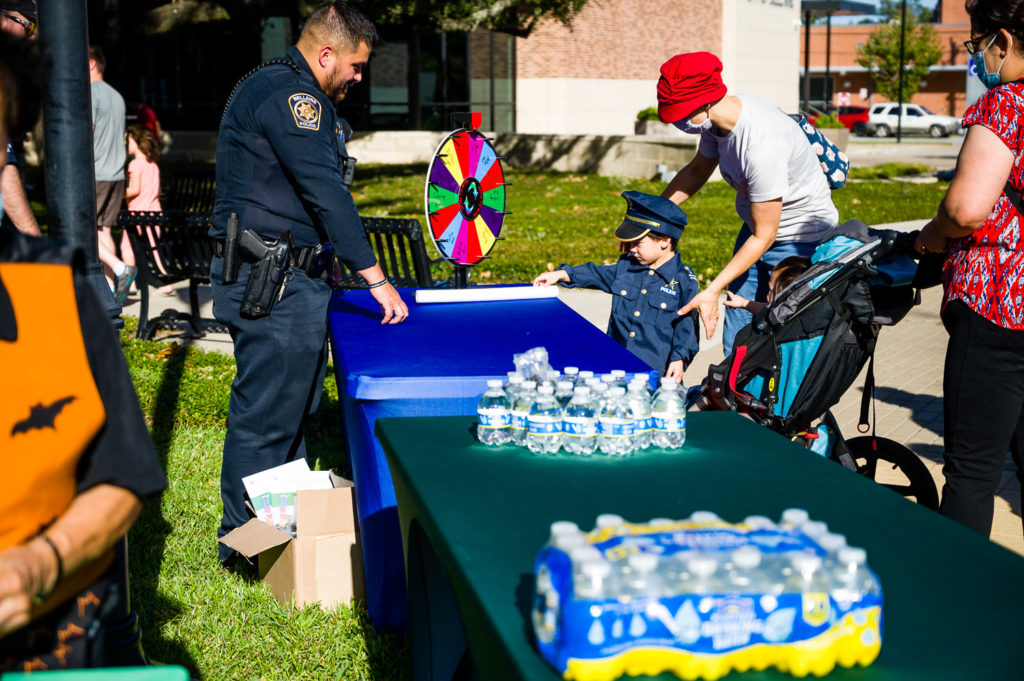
(417, 82)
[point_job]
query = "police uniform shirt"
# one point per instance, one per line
(644, 306)
(280, 156)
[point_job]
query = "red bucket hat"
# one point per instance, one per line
(688, 81)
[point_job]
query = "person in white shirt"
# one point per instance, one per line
(782, 195)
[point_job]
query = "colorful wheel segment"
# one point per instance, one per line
(465, 197)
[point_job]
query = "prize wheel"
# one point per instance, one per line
(465, 197)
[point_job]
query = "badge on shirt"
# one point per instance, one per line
(305, 110)
(671, 288)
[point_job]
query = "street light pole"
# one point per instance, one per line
(903, 35)
(67, 130)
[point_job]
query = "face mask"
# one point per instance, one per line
(689, 128)
(989, 80)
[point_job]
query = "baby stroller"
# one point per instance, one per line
(804, 350)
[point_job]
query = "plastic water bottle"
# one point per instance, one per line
(584, 375)
(599, 391)
(669, 415)
(591, 579)
(758, 522)
(705, 518)
(606, 520)
(640, 377)
(642, 581)
(521, 411)
(571, 374)
(851, 573)
(494, 419)
(579, 422)
(814, 528)
(641, 381)
(616, 424)
(544, 422)
(792, 518)
(562, 527)
(620, 377)
(563, 392)
(702, 569)
(745, 576)
(512, 386)
(640, 403)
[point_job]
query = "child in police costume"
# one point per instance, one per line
(649, 283)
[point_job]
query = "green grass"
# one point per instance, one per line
(225, 624)
(567, 217)
(885, 171)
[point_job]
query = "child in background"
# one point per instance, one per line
(783, 274)
(143, 191)
(649, 283)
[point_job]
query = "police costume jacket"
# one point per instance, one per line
(69, 418)
(280, 163)
(644, 306)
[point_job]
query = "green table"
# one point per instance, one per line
(473, 518)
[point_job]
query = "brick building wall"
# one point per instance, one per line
(620, 39)
(943, 91)
(595, 75)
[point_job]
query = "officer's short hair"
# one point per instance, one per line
(339, 23)
(96, 55)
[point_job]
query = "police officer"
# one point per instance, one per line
(281, 168)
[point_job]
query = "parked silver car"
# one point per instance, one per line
(916, 119)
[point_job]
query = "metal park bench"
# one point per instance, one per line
(181, 245)
(190, 190)
(401, 252)
(180, 250)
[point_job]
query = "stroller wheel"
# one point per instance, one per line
(917, 481)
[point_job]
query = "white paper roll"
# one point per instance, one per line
(484, 294)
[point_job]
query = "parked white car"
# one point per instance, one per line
(916, 119)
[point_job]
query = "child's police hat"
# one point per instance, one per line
(648, 213)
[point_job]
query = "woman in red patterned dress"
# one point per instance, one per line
(983, 277)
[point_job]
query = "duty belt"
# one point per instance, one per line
(301, 258)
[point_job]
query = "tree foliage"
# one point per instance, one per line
(516, 17)
(880, 55)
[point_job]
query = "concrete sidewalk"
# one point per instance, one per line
(908, 373)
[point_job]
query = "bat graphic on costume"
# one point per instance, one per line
(41, 416)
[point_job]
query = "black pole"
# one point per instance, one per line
(828, 61)
(903, 33)
(807, 60)
(67, 130)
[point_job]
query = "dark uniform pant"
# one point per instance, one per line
(983, 400)
(281, 360)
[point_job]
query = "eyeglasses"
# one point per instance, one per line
(974, 45)
(29, 26)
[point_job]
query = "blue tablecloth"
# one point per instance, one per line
(435, 364)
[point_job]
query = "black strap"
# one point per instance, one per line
(285, 61)
(867, 397)
(1014, 196)
(301, 257)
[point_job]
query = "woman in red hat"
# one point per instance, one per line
(782, 196)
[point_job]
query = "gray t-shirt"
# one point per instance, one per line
(108, 146)
(765, 157)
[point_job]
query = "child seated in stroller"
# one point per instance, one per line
(783, 274)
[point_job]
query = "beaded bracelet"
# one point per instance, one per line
(60, 563)
(378, 284)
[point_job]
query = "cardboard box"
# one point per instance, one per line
(323, 563)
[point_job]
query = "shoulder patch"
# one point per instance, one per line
(305, 110)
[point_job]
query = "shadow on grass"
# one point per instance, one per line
(149, 535)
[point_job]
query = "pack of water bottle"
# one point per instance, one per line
(700, 597)
(547, 410)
